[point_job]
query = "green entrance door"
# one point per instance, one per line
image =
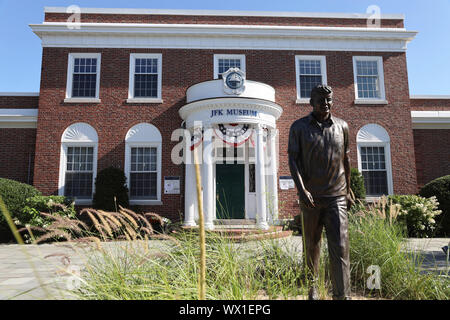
(230, 189)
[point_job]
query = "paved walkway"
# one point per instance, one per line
(46, 271)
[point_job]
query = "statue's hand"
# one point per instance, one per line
(307, 199)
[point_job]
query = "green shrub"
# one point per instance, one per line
(54, 205)
(110, 190)
(14, 194)
(357, 184)
(49, 205)
(417, 213)
(440, 188)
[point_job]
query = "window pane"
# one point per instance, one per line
(311, 67)
(310, 76)
(84, 85)
(368, 79)
(146, 66)
(78, 184)
(375, 182)
(146, 85)
(374, 170)
(143, 175)
(307, 83)
(84, 78)
(143, 185)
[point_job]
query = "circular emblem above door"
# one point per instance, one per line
(234, 81)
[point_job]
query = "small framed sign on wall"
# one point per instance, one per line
(286, 183)
(171, 185)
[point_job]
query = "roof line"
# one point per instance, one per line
(430, 96)
(19, 94)
(190, 12)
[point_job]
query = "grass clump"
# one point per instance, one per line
(137, 269)
(234, 272)
(376, 239)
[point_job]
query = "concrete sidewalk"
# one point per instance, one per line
(46, 271)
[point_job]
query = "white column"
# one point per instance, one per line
(190, 194)
(261, 203)
(273, 156)
(208, 178)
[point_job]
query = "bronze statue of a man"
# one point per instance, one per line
(320, 166)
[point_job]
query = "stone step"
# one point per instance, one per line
(235, 222)
(236, 226)
(237, 231)
(260, 236)
(248, 234)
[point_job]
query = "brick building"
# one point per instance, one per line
(115, 88)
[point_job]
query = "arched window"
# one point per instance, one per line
(78, 162)
(143, 164)
(374, 160)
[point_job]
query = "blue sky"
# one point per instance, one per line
(428, 55)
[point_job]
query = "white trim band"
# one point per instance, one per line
(18, 115)
(430, 119)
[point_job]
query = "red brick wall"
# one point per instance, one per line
(430, 104)
(17, 154)
(233, 20)
(113, 117)
(431, 145)
(18, 102)
(432, 154)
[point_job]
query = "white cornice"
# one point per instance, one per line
(430, 119)
(207, 36)
(186, 12)
(18, 118)
(430, 116)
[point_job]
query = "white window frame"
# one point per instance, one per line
(382, 98)
(141, 132)
(387, 155)
(87, 137)
(129, 146)
(70, 70)
(217, 57)
(374, 135)
(323, 70)
(64, 149)
(133, 57)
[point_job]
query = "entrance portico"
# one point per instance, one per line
(235, 136)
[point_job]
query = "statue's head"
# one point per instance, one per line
(322, 100)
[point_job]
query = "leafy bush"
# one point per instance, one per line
(357, 184)
(440, 188)
(54, 205)
(38, 212)
(417, 213)
(110, 190)
(14, 194)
